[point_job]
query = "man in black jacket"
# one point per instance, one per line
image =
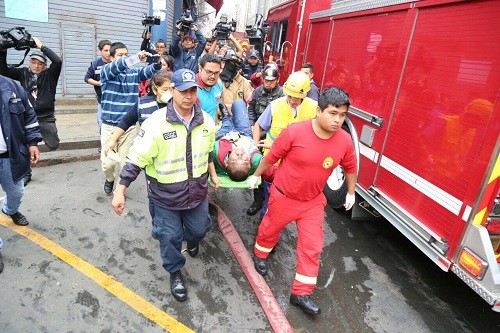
(40, 83)
(252, 64)
(268, 91)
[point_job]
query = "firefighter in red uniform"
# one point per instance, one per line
(313, 148)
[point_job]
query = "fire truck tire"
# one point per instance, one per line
(335, 189)
(335, 198)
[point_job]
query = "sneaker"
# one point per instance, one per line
(223, 110)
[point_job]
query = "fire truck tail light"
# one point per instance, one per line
(472, 263)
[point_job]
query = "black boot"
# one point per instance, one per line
(261, 266)
(177, 286)
(254, 208)
(192, 249)
(18, 218)
(108, 187)
(306, 303)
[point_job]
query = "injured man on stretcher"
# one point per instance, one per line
(236, 156)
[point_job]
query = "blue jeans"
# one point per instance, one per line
(265, 203)
(237, 123)
(171, 227)
(1, 244)
(13, 191)
(99, 113)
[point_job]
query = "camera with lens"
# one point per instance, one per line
(18, 38)
(186, 21)
(223, 28)
(149, 20)
(258, 31)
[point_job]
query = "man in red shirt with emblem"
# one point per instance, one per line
(309, 151)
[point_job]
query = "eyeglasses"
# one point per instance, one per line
(210, 73)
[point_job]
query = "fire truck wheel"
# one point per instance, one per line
(335, 189)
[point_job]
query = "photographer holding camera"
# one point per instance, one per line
(235, 85)
(160, 45)
(40, 82)
(184, 49)
(222, 32)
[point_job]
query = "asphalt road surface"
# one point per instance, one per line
(78, 267)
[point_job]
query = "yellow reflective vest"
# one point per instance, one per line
(174, 158)
(282, 115)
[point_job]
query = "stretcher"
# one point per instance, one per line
(226, 182)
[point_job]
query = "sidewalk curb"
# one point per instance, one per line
(67, 159)
(73, 151)
(72, 145)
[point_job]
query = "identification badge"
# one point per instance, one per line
(170, 135)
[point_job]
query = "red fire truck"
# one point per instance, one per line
(424, 78)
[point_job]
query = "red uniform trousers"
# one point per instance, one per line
(309, 219)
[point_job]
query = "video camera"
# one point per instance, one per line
(16, 37)
(186, 21)
(257, 32)
(223, 28)
(150, 20)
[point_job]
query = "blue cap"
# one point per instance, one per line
(183, 79)
(254, 53)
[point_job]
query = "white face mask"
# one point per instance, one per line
(165, 97)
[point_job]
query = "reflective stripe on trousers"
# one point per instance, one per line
(309, 218)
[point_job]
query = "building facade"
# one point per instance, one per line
(73, 29)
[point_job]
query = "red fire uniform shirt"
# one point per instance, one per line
(307, 160)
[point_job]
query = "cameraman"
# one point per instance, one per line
(186, 55)
(160, 46)
(40, 83)
(224, 47)
(235, 85)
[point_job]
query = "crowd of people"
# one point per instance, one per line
(195, 111)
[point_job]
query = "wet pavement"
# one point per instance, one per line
(65, 204)
(371, 279)
(78, 267)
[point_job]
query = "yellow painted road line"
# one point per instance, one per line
(106, 281)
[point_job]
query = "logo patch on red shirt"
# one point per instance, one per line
(328, 163)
